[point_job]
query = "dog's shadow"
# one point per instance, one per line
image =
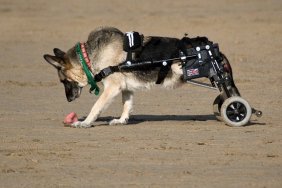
(136, 119)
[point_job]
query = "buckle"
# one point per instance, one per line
(106, 72)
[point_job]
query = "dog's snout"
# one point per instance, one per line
(69, 99)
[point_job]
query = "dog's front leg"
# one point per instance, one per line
(101, 104)
(127, 100)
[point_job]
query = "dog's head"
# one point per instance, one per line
(70, 72)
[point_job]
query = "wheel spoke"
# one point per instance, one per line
(230, 112)
(238, 105)
(242, 109)
(232, 106)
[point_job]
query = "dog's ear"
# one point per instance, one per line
(59, 53)
(53, 60)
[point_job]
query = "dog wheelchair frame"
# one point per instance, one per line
(200, 58)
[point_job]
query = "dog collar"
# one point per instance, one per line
(86, 65)
(85, 55)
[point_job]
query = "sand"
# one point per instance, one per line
(173, 139)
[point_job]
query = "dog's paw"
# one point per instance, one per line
(80, 124)
(118, 122)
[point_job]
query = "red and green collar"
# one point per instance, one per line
(86, 65)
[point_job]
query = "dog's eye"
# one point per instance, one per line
(65, 81)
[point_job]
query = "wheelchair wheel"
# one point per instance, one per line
(236, 112)
(217, 103)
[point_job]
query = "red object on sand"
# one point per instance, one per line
(70, 118)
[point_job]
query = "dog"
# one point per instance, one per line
(104, 48)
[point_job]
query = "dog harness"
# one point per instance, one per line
(147, 57)
(86, 65)
(198, 57)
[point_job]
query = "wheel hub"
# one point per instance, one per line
(236, 111)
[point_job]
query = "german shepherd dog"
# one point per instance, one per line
(104, 48)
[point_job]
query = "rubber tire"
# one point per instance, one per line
(231, 100)
(217, 103)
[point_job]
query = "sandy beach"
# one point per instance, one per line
(173, 138)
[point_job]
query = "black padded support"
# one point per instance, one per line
(163, 73)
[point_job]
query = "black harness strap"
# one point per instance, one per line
(125, 67)
(165, 68)
(106, 72)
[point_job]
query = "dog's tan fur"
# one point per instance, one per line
(104, 54)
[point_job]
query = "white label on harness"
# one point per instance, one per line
(130, 38)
